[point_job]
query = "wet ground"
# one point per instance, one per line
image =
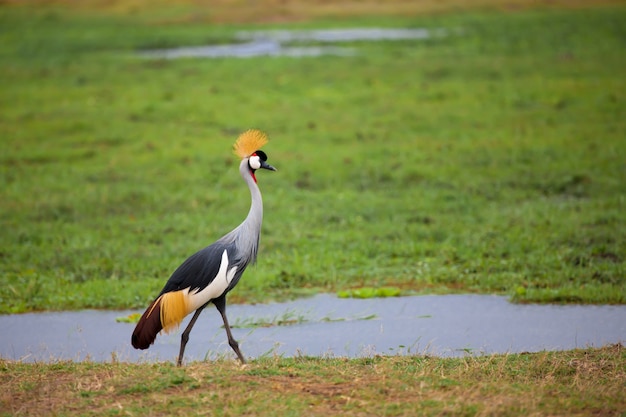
(325, 325)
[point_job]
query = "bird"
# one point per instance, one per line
(209, 274)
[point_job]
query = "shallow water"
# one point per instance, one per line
(245, 50)
(340, 35)
(449, 325)
(280, 43)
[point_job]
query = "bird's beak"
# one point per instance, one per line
(265, 165)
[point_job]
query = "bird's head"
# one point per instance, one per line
(248, 146)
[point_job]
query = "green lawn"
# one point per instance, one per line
(488, 161)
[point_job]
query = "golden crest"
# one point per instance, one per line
(248, 142)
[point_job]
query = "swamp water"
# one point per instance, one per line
(283, 43)
(325, 325)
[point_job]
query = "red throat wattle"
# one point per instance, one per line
(252, 171)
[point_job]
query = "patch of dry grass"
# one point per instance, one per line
(579, 382)
(279, 11)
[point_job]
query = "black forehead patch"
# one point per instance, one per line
(261, 155)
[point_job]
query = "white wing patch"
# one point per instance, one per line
(216, 287)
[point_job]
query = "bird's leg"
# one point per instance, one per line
(184, 338)
(220, 303)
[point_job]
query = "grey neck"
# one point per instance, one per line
(244, 239)
(255, 215)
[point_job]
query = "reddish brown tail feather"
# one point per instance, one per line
(148, 327)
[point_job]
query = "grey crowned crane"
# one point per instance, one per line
(209, 274)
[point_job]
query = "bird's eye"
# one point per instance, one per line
(254, 162)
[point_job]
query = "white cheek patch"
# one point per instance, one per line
(216, 287)
(255, 162)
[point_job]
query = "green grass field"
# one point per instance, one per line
(487, 161)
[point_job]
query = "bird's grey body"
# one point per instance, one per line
(209, 274)
(241, 245)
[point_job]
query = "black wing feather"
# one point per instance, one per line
(199, 269)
